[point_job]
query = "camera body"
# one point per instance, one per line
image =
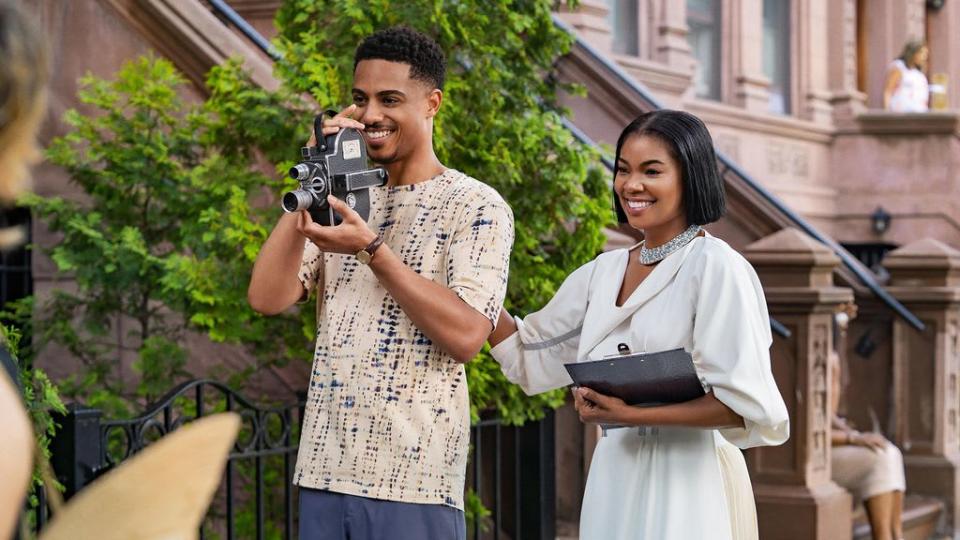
(337, 166)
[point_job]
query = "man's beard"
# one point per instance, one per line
(385, 160)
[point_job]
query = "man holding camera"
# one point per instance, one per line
(404, 299)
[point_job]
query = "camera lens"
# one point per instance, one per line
(294, 201)
(300, 171)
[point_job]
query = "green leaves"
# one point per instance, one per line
(164, 236)
(40, 396)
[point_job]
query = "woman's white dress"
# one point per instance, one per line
(913, 92)
(664, 483)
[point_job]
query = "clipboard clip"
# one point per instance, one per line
(622, 350)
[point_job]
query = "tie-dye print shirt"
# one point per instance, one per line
(387, 415)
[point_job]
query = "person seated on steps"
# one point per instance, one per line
(866, 463)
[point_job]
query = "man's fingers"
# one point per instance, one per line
(333, 127)
(343, 119)
(348, 214)
(348, 112)
(305, 219)
(302, 218)
(307, 227)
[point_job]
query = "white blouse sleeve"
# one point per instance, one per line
(731, 348)
(533, 356)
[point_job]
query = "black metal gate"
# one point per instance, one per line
(511, 469)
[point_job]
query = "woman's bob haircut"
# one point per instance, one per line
(691, 145)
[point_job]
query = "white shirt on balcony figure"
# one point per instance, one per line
(664, 483)
(906, 89)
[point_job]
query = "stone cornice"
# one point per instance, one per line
(876, 122)
(722, 114)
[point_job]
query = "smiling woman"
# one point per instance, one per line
(668, 153)
(684, 289)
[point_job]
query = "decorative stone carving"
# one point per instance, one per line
(789, 159)
(819, 385)
(925, 276)
(792, 482)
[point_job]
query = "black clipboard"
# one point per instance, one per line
(642, 379)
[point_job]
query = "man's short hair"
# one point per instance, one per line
(405, 45)
(691, 145)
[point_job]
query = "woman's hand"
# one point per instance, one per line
(596, 408)
(873, 441)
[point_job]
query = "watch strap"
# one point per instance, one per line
(373, 246)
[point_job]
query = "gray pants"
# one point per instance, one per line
(325, 515)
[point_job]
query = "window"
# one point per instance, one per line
(16, 279)
(703, 23)
(624, 19)
(776, 53)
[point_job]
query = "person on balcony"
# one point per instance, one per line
(867, 465)
(679, 475)
(23, 82)
(906, 88)
(403, 300)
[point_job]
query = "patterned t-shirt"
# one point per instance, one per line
(387, 414)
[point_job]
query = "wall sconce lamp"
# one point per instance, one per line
(880, 219)
(865, 345)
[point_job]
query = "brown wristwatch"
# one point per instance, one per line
(365, 255)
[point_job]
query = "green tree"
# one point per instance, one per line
(163, 238)
(500, 123)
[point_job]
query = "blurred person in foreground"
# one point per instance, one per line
(23, 79)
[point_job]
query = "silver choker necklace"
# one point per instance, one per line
(659, 253)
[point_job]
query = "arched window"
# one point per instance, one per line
(16, 278)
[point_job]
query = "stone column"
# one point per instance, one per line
(925, 276)
(749, 87)
(811, 52)
(841, 26)
(672, 47)
(795, 496)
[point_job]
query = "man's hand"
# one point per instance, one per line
(344, 119)
(595, 408)
(348, 237)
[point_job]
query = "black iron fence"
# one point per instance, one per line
(511, 469)
(512, 473)
(87, 446)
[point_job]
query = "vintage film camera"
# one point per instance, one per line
(337, 165)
